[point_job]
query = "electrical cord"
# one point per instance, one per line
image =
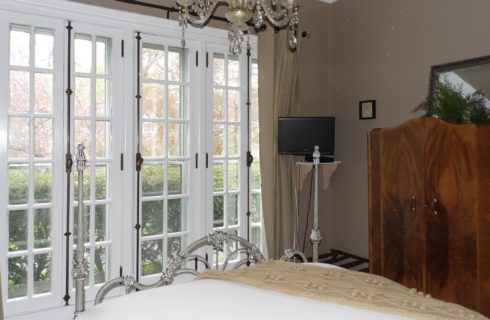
(308, 212)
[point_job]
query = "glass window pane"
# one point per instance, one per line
(102, 175)
(103, 137)
(177, 173)
(101, 264)
(44, 48)
(17, 230)
(233, 71)
(83, 135)
(233, 140)
(232, 245)
(42, 273)
(43, 138)
(17, 279)
(232, 212)
(218, 211)
(254, 81)
(19, 45)
(174, 245)
(101, 222)
(82, 96)
(219, 69)
(218, 104)
(153, 139)
(218, 176)
(254, 105)
(42, 183)
(177, 215)
(152, 217)
(153, 100)
(42, 228)
(255, 236)
(103, 102)
(43, 93)
(219, 140)
(233, 180)
(151, 257)
(153, 61)
(83, 53)
(103, 48)
(255, 139)
(177, 140)
(19, 137)
(256, 207)
(175, 57)
(233, 105)
(18, 183)
(176, 103)
(86, 223)
(20, 88)
(152, 179)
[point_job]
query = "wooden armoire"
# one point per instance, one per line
(429, 209)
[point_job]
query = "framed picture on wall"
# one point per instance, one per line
(367, 109)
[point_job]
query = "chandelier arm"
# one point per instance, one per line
(197, 19)
(278, 19)
(281, 22)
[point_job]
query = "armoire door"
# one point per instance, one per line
(398, 154)
(451, 177)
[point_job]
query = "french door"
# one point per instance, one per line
(232, 131)
(97, 122)
(167, 138)
(31, 117)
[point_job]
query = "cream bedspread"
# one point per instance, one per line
(350, 288)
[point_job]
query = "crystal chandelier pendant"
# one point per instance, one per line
(281, 14)
(235, 36)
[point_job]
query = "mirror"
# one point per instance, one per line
(459, 92)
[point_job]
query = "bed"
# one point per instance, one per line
(265, 290)
(238, 283)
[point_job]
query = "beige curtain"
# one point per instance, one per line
(278, 74)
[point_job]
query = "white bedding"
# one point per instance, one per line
(214, 299)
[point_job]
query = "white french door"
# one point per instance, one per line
(97, 118)
(168, 177)
(31, 167)
(226, 142)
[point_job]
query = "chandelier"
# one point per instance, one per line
(280, 13)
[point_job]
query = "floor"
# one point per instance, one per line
(345, 260)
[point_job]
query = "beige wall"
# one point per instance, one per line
(383, 50)
(314, 100)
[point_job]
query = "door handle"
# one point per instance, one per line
(413, 203)
(435, 205)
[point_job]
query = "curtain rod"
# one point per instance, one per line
(167, 8)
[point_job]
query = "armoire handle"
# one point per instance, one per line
(435, 205)
(413, 203)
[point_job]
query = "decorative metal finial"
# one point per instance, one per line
(81, 157)
(316, 155)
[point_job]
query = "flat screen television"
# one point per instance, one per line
(299, 136)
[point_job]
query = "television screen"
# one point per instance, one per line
(299, 135)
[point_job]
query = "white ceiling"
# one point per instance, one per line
(328, 1)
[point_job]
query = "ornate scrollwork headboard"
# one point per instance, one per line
(239, 250)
